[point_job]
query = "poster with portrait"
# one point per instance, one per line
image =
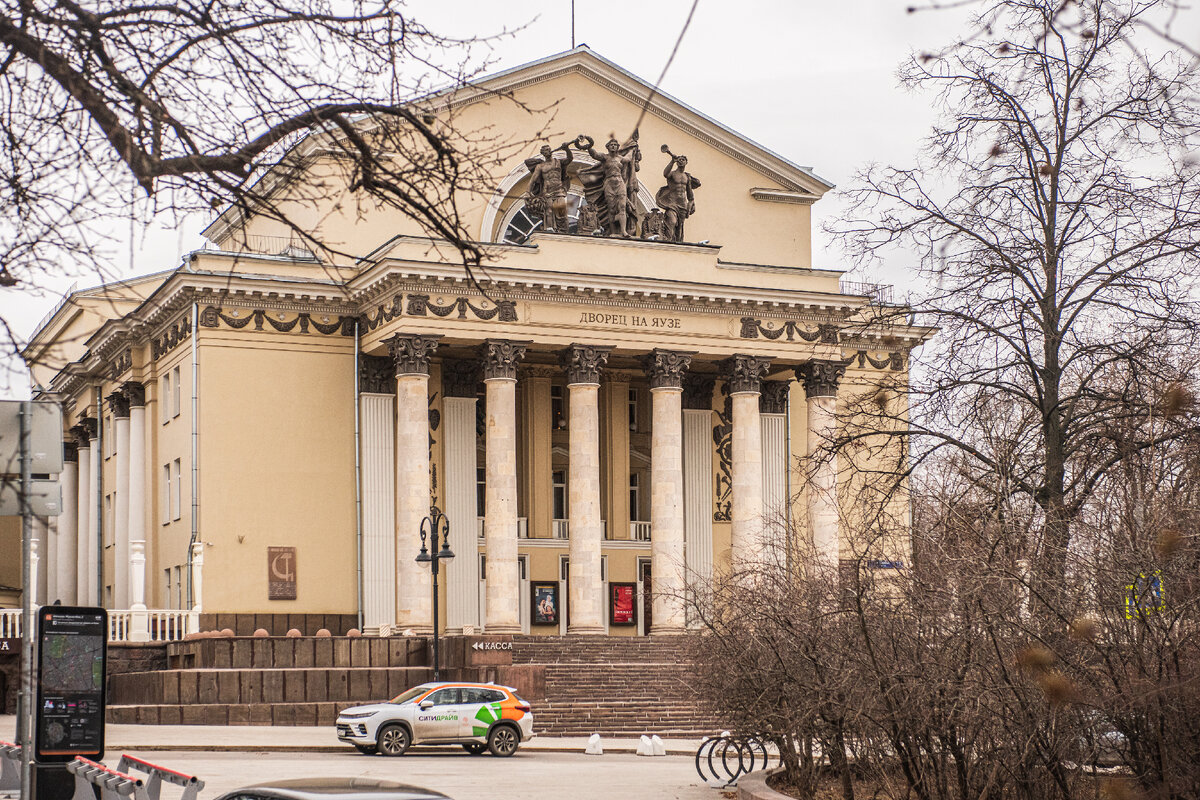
(621, 598)
(545, 603)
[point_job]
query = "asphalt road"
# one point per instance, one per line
(525, 775)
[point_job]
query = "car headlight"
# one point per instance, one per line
(359, 715)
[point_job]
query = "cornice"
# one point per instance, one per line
(388, 278)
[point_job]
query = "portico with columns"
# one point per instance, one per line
(609, 417)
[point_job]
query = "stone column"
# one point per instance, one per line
(666, 369)
(139, 618)
(500, 358)
(197, 578)
(583, 364)
(745, 373)
(118, 404)
(414, 599)
(139, 622)
(377, 400)
(820, 387)
(68, 528)
(85, 517)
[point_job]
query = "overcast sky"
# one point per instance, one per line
(813, 81)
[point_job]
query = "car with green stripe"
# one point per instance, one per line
(482, 717)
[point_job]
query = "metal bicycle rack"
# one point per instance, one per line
(190, 783)
(115, 784)
(725, 758)
(10, 767)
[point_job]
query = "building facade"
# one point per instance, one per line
(624, 403)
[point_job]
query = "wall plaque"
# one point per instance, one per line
(281, 573)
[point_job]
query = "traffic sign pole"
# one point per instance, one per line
(25, 710)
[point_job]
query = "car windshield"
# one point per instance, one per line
(409, 695)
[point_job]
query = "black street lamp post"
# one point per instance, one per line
(435, 527)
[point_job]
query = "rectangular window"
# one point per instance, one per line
(603, 569)
(564, 568)
(177, 496)
(482, 567)
(108, 515)
(164, 496)
(523, 567)
(635, 498)
(110, 441)
(558, 480)
(175, 388)
(164, 398)
(558, 408)
(633, 409)
(179, 598)
(481, 491)
(170, 596)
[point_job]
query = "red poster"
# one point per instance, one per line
(621, 602)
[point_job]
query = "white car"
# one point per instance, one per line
(479, 716)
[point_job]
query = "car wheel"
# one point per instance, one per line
(365, 749)
(503, 741)
(475, 748)
(393, 740)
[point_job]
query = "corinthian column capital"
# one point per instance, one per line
(666, 368)
(821, 378)
(135, 393)
(118, 404)
(500, 358)
(584, 362)
(412, 352)
(745, 372)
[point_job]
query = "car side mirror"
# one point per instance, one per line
(426, 704)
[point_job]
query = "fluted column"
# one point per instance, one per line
(68, 528)
(666, 369)
(414, 601)
(197, 578)
(135, 394)
(85, 518)
(118, 404)
(820, 388)
(377, 399)
(460, 444)
(500, 358)
(745, 373)
(583, 364)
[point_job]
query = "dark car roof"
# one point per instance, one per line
(329, 788)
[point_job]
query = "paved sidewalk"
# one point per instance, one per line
(266, 739)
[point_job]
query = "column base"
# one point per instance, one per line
(491, 629)
(662, 630)
(585, 630)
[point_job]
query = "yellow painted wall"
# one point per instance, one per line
(277, 467)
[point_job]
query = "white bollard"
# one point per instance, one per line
(594, 748)
(657, 748)
(645, 747)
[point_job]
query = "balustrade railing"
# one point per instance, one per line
(165, 625)
(639, 531)
(522, 527)
(10, 623)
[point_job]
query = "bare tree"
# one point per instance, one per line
(107, 108)
(1056, 213)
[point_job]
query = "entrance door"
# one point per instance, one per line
(644, 589)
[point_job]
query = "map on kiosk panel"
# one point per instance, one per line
(72, 664)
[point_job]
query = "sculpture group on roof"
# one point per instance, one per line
(609, 189)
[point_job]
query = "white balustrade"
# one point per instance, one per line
(561, 528)
(10, 623)
(165, 625)
(639, 531)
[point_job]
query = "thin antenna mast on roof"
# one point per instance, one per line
(572, 24)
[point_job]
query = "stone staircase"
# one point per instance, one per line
(615, 686)
(611, 685)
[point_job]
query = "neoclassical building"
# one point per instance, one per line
(623, 404)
